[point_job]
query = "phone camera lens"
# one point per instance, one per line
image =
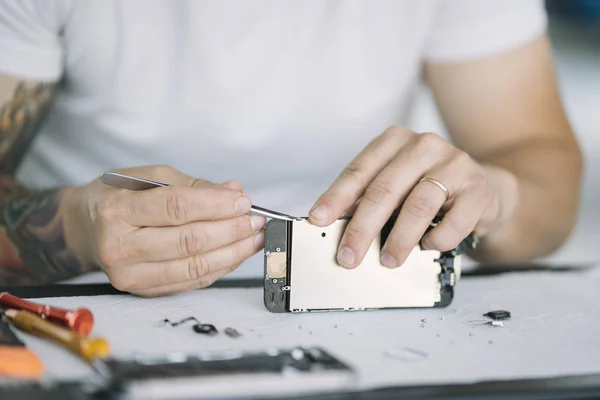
(323, 234)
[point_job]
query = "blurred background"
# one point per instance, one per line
(575, 32)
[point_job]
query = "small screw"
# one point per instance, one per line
(422, 325)
(232, 332)
(470, 333)
(424, 320)
(335, 326)
(490, 342)
(274, 280)
(278, 249)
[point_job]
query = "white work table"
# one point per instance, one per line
(554, 330)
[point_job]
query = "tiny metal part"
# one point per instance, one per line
(206, 329)
(232, 332)
(498, 314)
(335, 326)
(422, 325)
(470, 333)
(424, 320)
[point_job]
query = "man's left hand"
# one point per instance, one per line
(421, 174)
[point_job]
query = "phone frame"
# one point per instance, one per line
(278, 267)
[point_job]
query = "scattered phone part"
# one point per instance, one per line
(198, 327)
(231, 332)
(207, 329)
(183, 321)
(236, 374)
(301, 273)
(498, 315)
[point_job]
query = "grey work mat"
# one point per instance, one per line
(554, 330)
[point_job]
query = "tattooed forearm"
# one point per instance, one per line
(32, 246)
(19, 119)
(32, 240)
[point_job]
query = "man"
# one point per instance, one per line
(294, 106)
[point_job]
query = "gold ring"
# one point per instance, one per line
(438, 183)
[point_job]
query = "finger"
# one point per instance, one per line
(383, 195)
(459, 221)
(168, 243)
(174, 206)
(355, 178)
(233, 185)
(193, 269)
(418, 210)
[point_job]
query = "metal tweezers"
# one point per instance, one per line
(122, 181)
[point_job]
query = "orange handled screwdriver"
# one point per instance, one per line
(80, 321)
(88, 348)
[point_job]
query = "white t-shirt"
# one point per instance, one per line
(280, 95)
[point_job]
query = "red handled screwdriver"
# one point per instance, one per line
(80, 321)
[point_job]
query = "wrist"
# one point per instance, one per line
(505, 188)
(74, 209)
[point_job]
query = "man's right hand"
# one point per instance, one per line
(163, 240)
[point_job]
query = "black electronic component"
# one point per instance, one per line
(167, 321)
(198, 327)
(498, 315)
(206, 329)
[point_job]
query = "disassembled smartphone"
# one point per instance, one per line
(302, 274)
(228, 374)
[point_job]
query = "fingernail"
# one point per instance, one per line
(257, 222)
(346, 257)
(242, 205)
(320, 213)
(425, 246)
(259, 239)
(388, 260)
